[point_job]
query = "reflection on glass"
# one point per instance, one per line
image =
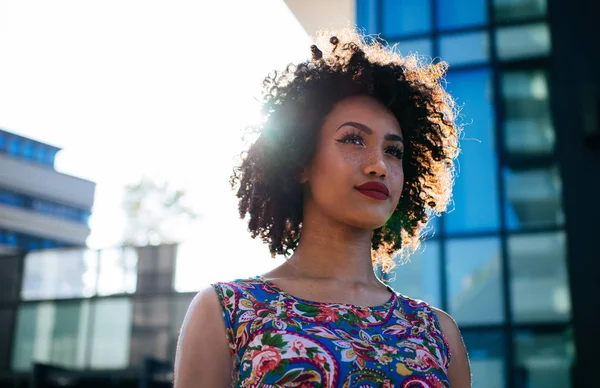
(486, 356)
(461, 13)
(366, 15)
(539, 285)
(507, 10)
(60, 273)
(476, 190)
(111, 332)
(533, 198)
(6, 333)
(465, 48)
(422, 47)
(420, 278)
(118, 271)
(474, 280)
(151, 334)
(406, 17)
(523, 41)
(528, 126)
(543, 359)
(51, 333)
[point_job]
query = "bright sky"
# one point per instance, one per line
(155, 88)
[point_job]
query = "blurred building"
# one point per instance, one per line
(39, 207)
(516, 262)
(82, 318)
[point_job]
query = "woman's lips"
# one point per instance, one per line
(374, 190)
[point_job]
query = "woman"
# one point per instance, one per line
(354, 155)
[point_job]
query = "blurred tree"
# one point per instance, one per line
(156, 213)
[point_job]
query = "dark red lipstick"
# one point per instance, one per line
(374, 190)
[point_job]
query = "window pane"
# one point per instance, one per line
(118, 271)
(422, 47)
(533, 198)
(111, 335)
(7, 316)
(10, 277)
(420, 278)
(152, 329)
(462, 49)
(539, 284)
(51, 333)
(528, 126)
(505, 10)
(486, 356)
(544, 359)
(474, 280)
(406, 17)
(61, 273)
(366, 15)
(523, 42)
(461, 13)
(476, 190)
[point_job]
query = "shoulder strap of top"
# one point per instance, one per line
(236, 299)
(423, 312)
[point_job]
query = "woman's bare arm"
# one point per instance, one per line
(459, 372)
(203, 357)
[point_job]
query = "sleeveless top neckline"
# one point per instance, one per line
(390, 303)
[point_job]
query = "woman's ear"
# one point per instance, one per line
(304, 175)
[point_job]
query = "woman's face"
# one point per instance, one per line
(356, 176)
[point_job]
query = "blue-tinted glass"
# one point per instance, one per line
(27, 151)
(467, 48)
(420, 278)
(2, 237)
(2, 141)
(11, 238)
(476, 200)
(406, 17)
(50, 155)
(486, 357)
(461, 13)
(421, 47)
(523, 41)
(39, 153)
(13, 146)
(366, 15)
(474, 280)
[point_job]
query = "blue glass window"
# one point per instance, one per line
(487, 358)
(406, 17)
(523, 41)
(13, 146)
(27, 151)
(474, 280)
(422, 47)
(10, 238)
(476, 202)
(467, 48)
(420, 278)
(39, 153)
(50, 155)
(2, 140)
(461, 13)
(366, 15)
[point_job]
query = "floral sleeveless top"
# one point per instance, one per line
(278, 340)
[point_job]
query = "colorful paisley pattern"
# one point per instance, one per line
(278, 340)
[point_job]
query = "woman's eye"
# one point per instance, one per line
(351, 139)
(395, 152)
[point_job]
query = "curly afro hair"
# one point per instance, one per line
(295, 103)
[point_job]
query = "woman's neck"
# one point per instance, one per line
(329, 249)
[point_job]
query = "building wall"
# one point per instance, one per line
(39, 207)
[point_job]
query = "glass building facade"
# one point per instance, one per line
(497, 262)
(22, 151)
